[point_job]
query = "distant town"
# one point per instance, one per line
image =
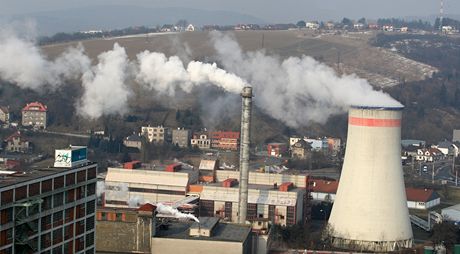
(310, 137)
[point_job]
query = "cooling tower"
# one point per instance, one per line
(370, 210)
(246, 104)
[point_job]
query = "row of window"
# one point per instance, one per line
(38, 188)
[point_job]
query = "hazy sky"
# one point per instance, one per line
(269, 10)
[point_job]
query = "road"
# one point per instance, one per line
(67, 134)
(440, 172)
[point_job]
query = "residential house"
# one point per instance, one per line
(329, 25)
(34, 114)
(313, 25)
(276, 149)
(429, 154)
(448, 148)
(422, 198)
(190, 28)
(301, 150)
(168, 28)
(225, 140)
(388, 28)
(134, 141)
(158, 135)
(358, 26)
(17, 143)
(323, 190)
(181, 137)
(4, 115)
(201, 140)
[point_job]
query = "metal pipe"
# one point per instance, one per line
(246, 104)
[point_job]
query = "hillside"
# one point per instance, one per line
(431, 104)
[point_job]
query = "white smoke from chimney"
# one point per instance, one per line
(168, 210)
(297, 90)
(105, 91)
(165, 75)
(100, 188)
(23, 63)
(161, 73)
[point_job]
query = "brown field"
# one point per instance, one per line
(349, 53)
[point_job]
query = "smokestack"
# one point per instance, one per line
(370, 211)
(246, 95)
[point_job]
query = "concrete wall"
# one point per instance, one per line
(171, 245)
(123, 237)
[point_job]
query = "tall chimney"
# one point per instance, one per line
(370, 210)
(246, 95)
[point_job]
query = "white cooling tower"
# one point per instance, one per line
(370, 210)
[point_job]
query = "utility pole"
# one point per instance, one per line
(432, 174)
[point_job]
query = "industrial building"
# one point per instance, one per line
(278, 198)
(125, 230)
(181, 137)
(144, 230)
(50, 210)
(370, 210)
(34, 114)
(209, 236)
(125, 187)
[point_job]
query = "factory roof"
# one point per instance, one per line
(221, 232)
(8, 178)
(154, 175)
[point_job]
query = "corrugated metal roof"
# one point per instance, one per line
(147, 177)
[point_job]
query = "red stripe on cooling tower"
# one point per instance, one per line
(373, 122)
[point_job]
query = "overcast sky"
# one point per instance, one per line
(268, 10)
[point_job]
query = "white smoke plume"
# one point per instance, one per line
(167, 210)
(105, 91)
(23, 63)
(100, 188)
(297, 90)
(165, 75)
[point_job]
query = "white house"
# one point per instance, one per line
(312, 25)
(429, 154)
(325, 190)
(190, 28)
(422, 198)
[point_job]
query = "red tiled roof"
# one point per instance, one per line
(325, 186)
(413, 194)
(5, 110)
(35, 106)
(147, 207)
(15, 135)
(420, 195)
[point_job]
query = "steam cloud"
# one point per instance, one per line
(295, 90)
(167, 210)
(105, 91)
